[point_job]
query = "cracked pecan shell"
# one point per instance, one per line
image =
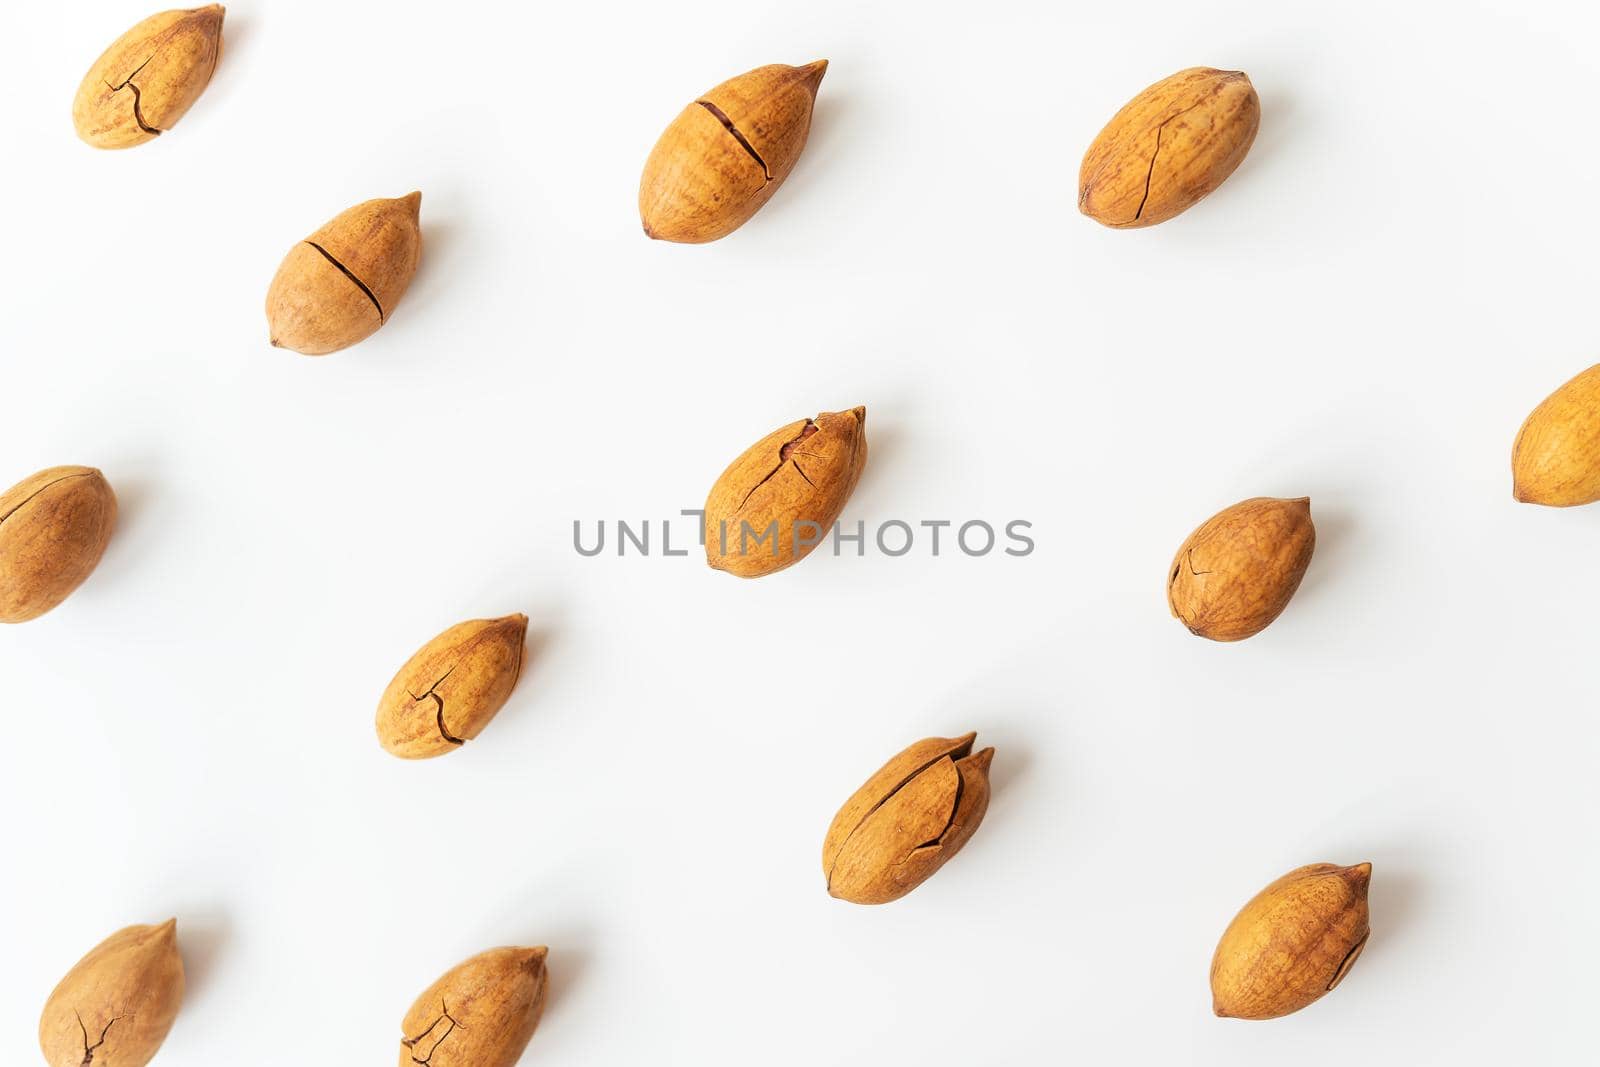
(117, 1004)
(54, 527)
(1169, 147)
(1556, 458)
(725, 154)
(340, 284)
(781, 497)
(141, 86)
(907, 820)
(1292, 943)
(446, 694)
(1238, 571)
(481, 1013)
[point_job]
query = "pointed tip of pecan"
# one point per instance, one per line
(814, 72)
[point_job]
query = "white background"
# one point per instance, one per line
(1401, 269)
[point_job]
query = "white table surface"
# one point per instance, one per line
(1401, 269)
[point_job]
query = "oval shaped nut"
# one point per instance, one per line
(1292, 943)
(340, 284)
(1169, 147)
(481, 1013)
(142, 85)
(54, 527)
(727, 153)
(1237, 572)
(117, 1004)
(446, 694)
(781, 497)
(1556, 458)
(907, 820)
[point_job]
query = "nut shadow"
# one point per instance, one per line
(569, 961)
(134, 529)
(535, 648)
(440, 239)
(1396, 896)
(1336, 527)
(201, 942)
(1013, 762)
(238, 31)
(883, 445)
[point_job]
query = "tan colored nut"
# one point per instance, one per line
(481, 1013)
(1238, 571)
(449, 690)
(781, 497)
(117, 1004)
(907, 820)
(1169, 147)
(726, 154)
(1556, 457)
(1292, 943)
(54, 527)
(340, 284)
(141, 86)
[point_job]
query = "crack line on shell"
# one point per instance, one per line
(1151, 172)
(23, 503)
(1338, 971)
(439, 701)
(963, 751)
(728, 125)
(955, 805)
(127, 83)
(134, 74)
(348, 273)
(411, 1042)
(782, 459)
(439, 720)
(138, 115)
(88, 1049)
(522, 650)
